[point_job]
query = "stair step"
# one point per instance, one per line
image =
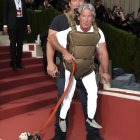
(27, 104)
(25, 88)
(33, 121)
(27, 91)
(33, 68)
(5, 55)
(11, 82)
(26, 61)
(4, 49)
(28, 122)
(21, 94)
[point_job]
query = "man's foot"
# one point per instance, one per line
(54, 138)
(62, 136)
(93, 123)
(19, 66)
(14, 67)
(62, 124)
(94, 137)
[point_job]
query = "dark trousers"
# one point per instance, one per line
(60, 87)
(16, 36)
(43, 38)
(91, 132)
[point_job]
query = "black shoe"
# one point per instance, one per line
(20, 66)
(62, 136)
(98, 138)
(94, 137)
(14, 67)
(54, 138)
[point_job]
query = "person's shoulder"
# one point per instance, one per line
(100, 31)
(60, 19)
(102, 39)
(61, 16)
(78, 27)
(59, 23)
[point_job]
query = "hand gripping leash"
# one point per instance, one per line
(60, 100)
(41, 131)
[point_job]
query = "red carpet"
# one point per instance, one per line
(32, 121)
(27, 97)
(26, 89)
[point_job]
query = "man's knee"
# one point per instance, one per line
(60, 84)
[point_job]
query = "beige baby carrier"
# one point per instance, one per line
(82, 45)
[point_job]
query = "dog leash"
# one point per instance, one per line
(60, 100)
(40, 134)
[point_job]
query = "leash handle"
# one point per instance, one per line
(60, 100)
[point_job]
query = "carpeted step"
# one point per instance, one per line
(5, 55)
(33, 121)
(27, 91)
(27, 97)
(25, 61)
(30, 122)
(20, 80)
(4, 49)
(28, 69)
(26, 104)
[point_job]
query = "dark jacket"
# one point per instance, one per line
(9, 13)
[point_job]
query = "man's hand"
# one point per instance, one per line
(28, 29)
(52, 69)
(68, 57)
(106, 78)
(5, 29)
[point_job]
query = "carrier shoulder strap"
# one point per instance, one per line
(71, 21)
(96, 30)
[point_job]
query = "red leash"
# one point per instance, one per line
(60, 100)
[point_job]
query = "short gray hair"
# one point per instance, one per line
(87, 6)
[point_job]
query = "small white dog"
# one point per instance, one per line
(28, 136)
(25, 136)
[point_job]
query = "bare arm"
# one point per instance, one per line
(104, 60)
(52, 39)
(51, 67)
(57, 46)
(50, 50)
